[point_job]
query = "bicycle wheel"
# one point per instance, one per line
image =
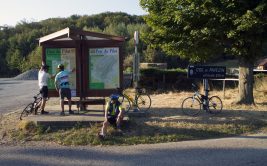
(215, 105)
(27, 110)
(125, 103)
(191, 106)
(143, 102)
(37, 106)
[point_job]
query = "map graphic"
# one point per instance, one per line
(65, 56)
(104, 68)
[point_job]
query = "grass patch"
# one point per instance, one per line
(143, 131)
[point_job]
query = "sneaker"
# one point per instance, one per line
(71, 112)
(62, 113)
(44, 112)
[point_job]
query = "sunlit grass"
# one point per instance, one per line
(142, 131)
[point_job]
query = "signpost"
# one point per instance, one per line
(136, 71)
(136, 61)
(205, 73)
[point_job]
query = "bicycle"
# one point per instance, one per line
(32, 107)
(193, 105)
(142, 100)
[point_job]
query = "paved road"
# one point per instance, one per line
(238, 151)
(19, 92)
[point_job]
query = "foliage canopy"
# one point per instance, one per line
(201, 29)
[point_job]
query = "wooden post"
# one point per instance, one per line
(224, 89)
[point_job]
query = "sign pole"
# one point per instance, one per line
(81, 43)
(136, 62)
(206, 89)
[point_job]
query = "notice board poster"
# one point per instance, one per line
(104, 72)
(65, 56)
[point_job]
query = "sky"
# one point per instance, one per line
(15, 11)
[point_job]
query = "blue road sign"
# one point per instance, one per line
(206, 72)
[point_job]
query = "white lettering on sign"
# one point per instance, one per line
(66, 51)
(216, 70)
(200, 70)
(104, 51)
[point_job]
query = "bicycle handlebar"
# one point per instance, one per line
(195, 87)
(38, 94)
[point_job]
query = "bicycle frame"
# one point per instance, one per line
(133, 101)
(139, 101)
(202, 98)
(194, 104)
(32, 107)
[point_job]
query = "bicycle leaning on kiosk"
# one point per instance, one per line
(141, 100)
(33, 107)
(193, 105)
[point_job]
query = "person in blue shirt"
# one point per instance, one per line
(63, 87)
(113, 115)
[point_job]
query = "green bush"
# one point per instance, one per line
(160, 72)
(165, 78)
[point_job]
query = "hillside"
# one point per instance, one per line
(19, 45)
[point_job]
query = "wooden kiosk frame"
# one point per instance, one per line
(82, 41)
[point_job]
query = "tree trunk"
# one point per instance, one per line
(246, 80)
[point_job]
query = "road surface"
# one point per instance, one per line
(237, 151)
(15, 94)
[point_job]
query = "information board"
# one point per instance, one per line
(206, 72)
(65, 56)
(104, 72)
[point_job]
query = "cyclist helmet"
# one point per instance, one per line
(114, 97)
(60, 66)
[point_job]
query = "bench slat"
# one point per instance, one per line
(87, 102)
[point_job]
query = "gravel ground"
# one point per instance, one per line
(28, 75)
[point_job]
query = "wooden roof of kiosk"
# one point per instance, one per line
(75, 34)
(82, 41)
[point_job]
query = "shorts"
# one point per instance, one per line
(65, 92)
(44, 92)
(112, 120)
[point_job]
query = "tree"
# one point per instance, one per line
(14, 59)
(34, 60)
(203, 29)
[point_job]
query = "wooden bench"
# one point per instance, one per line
(81, 104)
